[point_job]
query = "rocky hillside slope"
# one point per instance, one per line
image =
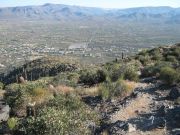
(131, 96)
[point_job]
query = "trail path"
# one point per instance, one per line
(147, 112)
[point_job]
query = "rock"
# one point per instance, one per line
(161, 111)
(131, 128)
(174, 93)
(4, 112)
(21, 79)
(176, 131)
(119, 127)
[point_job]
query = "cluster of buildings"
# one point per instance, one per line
(15, 54)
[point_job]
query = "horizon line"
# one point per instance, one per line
(86, 6)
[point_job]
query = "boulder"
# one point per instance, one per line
(131, 128)
(21, 79)
(4, 112)
(119, 127)
(174, 93)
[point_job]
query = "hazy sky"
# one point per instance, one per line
(95, 3)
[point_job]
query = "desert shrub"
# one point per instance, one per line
(114, 71)
(143, 53)
(148, 71)
(115, 75)
(12, 123)
(168, 75)
(106, 90)
(62, 115)
(154, 70)
(157, 57)
(123, 88)
(131, 74)
(17, 99)
(156, 54)
(39, 95)
(92, 77)
(144, 59)
(120, 89)
(171, 58)
(19, 95)
(177, 52)
(69, 79)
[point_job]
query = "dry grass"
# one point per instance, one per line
(40, 95)
(63, 89)
(90, 91)
(130, 85)
(127, 87)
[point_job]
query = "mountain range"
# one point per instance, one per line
(58, 12)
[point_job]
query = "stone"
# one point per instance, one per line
(119, 127)
(131, 128)
(174, 93)
(176, 131)
(21, 79)
(4, 112)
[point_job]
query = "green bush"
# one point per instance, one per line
(92, 77)
(69, 79)
(106, 89)
(123, 88)
(143, 52)
(154, 70)
(168, 75)
(144, 59)
(19, 95)
(171, 58)
(131, 74)
(119, 89)
(156, 54)
(177, 52)
(62, 115)
(12, 123)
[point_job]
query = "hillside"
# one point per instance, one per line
(57, 12)
(43, 67)
(135, 95)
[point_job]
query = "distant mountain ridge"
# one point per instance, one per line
(58, 12)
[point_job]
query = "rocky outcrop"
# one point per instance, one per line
(174, 93)
(4, 111)
(36, 69)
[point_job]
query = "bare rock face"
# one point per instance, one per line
(131, 128)
(174, 93)
(4, 112)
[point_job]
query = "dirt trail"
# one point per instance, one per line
(142, 114)
(133, 112)
(139, 105)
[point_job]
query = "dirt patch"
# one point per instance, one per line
(139, 105)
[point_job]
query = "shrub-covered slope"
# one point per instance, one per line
(65, 98)
(48, 66)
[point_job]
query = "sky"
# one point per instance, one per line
(94, 3)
